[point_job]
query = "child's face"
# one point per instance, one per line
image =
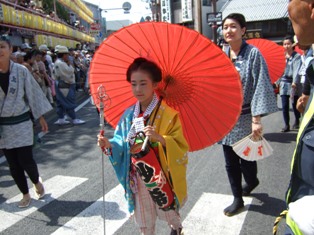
(142, 86)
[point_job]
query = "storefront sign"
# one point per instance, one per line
(214, 17)
(253, 33)
(95, 26)
(186, 10)
(165, 11)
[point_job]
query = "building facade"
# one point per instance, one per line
(265, 18)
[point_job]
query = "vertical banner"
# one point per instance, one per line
(186, 10)
(165, 11)
(1, 13)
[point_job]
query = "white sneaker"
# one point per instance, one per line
(61, 122)
(78, 121)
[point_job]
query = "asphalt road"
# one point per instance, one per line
(70, 164)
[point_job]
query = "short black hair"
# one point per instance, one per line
(28, 55)
(142, 64)
(5, 38)
(290, 38)
(237, 17)
(60, 55)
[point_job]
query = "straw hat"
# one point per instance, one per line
(61, 49)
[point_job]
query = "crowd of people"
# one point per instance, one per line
(37, 6)
(40, 61)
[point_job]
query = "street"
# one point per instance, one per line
(70, 164)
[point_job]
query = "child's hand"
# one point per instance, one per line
(153, 135)
(103, 142)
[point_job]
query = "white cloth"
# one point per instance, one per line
(63, 71)
(134, 127)
(301, 212)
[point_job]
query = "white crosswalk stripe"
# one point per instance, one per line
(90, 221)
(55, 187)
(207, 218)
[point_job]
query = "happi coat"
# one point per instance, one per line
(291, 75)
(24, 94)
(173, 158)
(258, 93)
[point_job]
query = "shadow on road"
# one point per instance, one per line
(267, 205)
(67, 209)
(281, 137)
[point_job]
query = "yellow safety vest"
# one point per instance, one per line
(305, 121)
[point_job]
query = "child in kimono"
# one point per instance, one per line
(20, 94)
(166, 137)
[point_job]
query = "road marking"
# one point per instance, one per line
(82, 105)
(55, 187)
(90, 221)
(206, 217)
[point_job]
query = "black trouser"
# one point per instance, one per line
(20, 160)
(237, 166)
(285, 99)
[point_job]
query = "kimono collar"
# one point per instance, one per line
(292, 55)
(242, 49)
(241, 53)
(138, 122)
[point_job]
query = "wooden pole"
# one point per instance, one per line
(198, 15)
(214, 25)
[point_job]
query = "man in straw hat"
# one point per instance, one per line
(63, 73)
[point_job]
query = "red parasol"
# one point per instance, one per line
(274, 56)
(298, 50)
(205, 87)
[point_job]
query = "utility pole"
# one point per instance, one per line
(54, 7)
(214, 25)
(198, 15)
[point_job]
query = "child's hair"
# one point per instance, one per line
(144, 65)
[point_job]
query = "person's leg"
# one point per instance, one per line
(233, 169)
(173, 219)
(71, 113)
(26, 160)
(249, 171)
(285, 99)
(297, 114)
(145, 209)
(60, 109)
(17, 171)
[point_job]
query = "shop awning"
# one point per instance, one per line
(258, 10)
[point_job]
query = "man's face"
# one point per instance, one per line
(301, 13)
